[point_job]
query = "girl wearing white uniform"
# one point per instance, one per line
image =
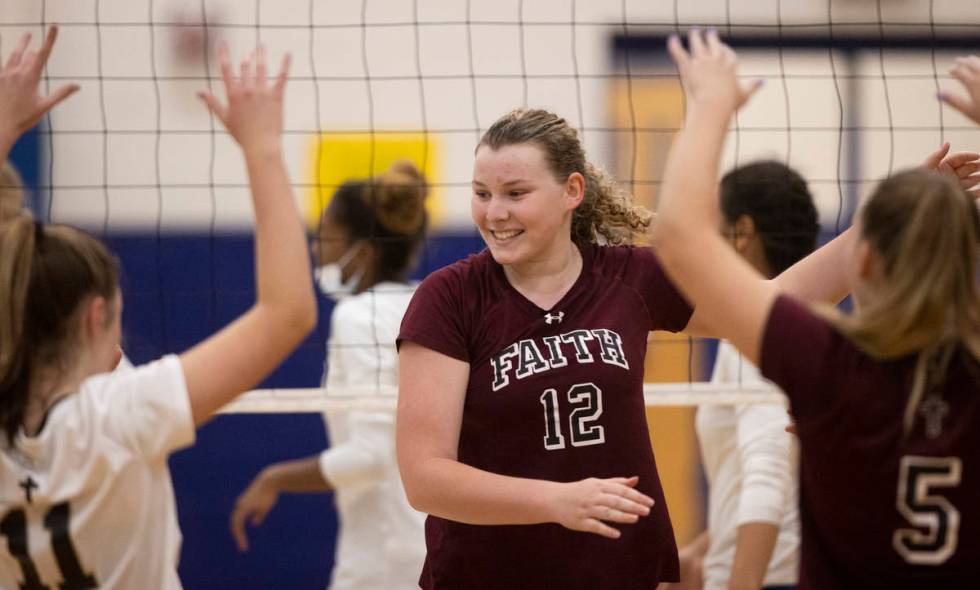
(366, 245)
(752, 539)
(86, 499)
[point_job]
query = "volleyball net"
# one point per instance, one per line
(849, 98)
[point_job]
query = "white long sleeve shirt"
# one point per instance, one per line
(381, 545)
(751, 466)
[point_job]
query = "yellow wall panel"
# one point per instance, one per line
(337, 157)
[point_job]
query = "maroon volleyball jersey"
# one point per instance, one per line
(557, 395)
(878, 508)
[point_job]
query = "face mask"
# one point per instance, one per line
(329, 277)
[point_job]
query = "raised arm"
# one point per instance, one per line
(430, 412)
(730, 296)
(243, 353)
(21, 103)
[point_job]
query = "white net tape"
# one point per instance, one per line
(277, 401)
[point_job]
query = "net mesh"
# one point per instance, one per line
(847, 101)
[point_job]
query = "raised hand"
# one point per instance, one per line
(961, 165)
(967, 71)
(253, 115)
(253, 506)
(21, 102)
(587, 505)
(708, 70)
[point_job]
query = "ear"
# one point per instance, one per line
(574, 190)
(867, 261)
(95, 315)
(744, 231)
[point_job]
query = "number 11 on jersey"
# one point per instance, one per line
(56, 521)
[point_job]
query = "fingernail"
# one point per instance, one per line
(941, 95)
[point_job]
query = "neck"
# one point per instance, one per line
(47, 387)
(369, 278)
(545, 281)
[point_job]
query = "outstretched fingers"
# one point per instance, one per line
(214, 105)
(246, 77)
(237, 526)
(18, 53)
(261, 72)
(61, 93)
(46, 48)
(968, 74)
(224, 65)
(280, 85)
(695, 42)
(934, 159)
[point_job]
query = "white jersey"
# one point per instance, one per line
(88, 502)
(751, 464)
(381, 545)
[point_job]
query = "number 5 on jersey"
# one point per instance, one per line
(586, 401)
(935, 514)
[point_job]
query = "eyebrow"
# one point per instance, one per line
(508, 183)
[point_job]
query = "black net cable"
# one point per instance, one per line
(318, 186)
(831, 55)
(212, 193)
(372, 154)
(495, 76)
(573, 33)
(935, 69)
(472, 72)
(157, 151)
(521, 51)
(104, 119)
(814, 28)
(884, 85)
(781, 60)
(47, 90)
(629, 97)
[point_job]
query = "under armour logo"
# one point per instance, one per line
(556, 318)
(934, 409)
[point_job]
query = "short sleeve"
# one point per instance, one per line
(667, 307)
(435, 317)
(146, 408)
(803, 355)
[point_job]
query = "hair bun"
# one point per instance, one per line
(397, 197)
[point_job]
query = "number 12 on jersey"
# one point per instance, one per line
(586, 401)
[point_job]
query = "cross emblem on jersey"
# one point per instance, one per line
(29, 485)
(934, 409)
(554, 318)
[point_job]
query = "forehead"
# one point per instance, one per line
(509, 162)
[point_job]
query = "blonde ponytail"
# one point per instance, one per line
(924, 230)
